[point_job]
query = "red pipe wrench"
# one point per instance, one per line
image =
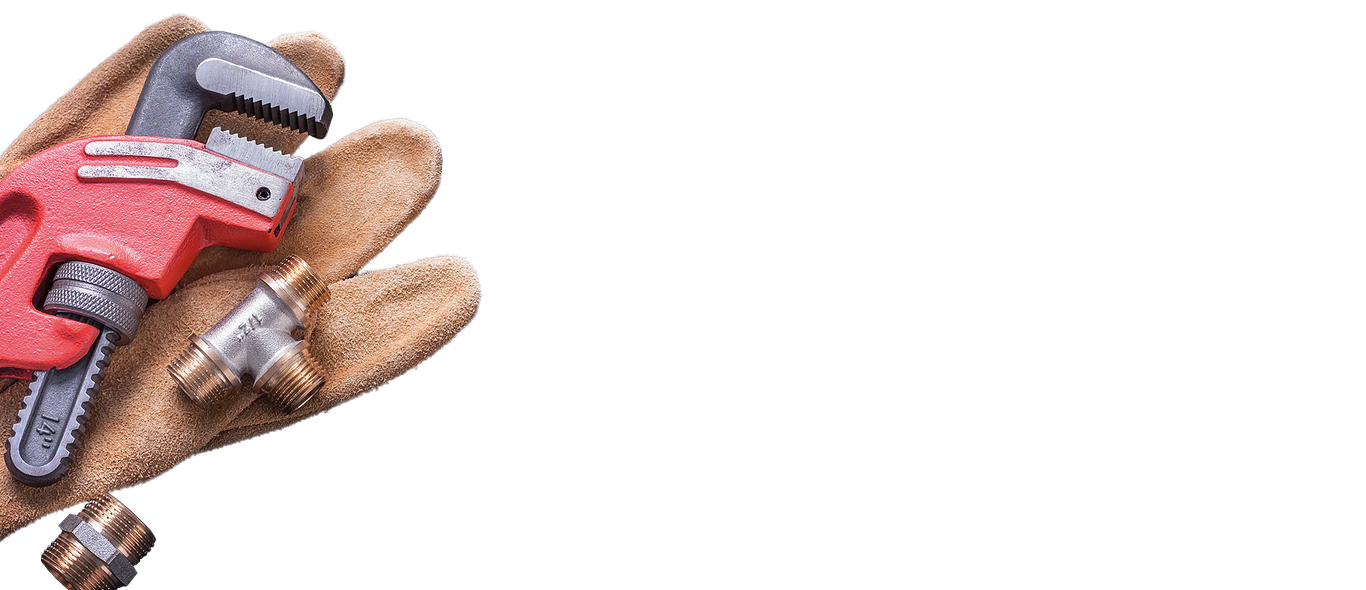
(91, 229)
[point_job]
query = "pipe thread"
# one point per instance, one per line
(198, 376)
(305, 285)
(295, 382)
(118, 524)
(76, 567)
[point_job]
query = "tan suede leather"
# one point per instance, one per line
(375, 327)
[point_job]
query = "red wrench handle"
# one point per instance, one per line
(66, 204)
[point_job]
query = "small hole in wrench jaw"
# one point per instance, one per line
(263, 194)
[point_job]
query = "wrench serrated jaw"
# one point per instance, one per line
(246, 151)
(266, 97)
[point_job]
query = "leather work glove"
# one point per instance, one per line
(375, 326)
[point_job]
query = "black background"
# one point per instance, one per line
(379, 486)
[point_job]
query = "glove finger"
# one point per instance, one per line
(375, 327)
(102, 102)
(357, 195)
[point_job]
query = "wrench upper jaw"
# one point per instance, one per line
(218, 70)
(259, 95)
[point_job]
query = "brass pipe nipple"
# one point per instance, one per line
(99, 546)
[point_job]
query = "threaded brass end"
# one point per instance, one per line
(199, 376)
(75, 567)
(292, 381)
(118, 524)
(298, 285)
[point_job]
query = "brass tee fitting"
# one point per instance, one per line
(257, 340)
(99, 547)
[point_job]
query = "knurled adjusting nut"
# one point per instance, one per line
(100, 547)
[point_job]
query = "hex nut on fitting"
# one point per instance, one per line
(256, 341)
(98, 547)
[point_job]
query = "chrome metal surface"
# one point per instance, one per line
(255, 155)
(257, 339)
(262, 95)
(199, 170)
